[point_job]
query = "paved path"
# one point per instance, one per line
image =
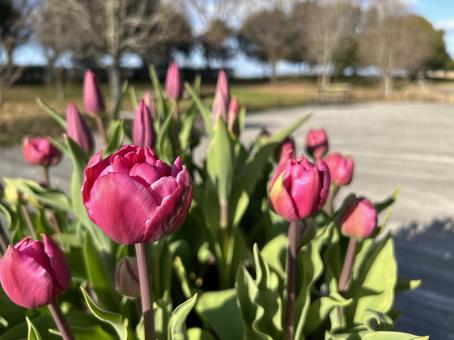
(394, 144)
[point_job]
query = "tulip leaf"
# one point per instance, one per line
(114, 319)
(91, 332)
(119, 103)
(220, 160)
(199, 334)
(406, 284)
(53, 113)
(204, 111)
(33, 333)
(162, 109)
(52, 197)
(393, 336)
(287, 131)
(116, 136)
(177, 328)
(213, 307)
(133, 97)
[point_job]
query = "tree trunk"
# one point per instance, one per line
(274, 78)
(387, 85)
(114, 80)
(324, 78)
(59, 84)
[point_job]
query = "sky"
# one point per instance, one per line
(439, 12)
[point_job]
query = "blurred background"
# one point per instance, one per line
(277, 52)
(377, 74)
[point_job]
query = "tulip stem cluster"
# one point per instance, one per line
(60, 321)
(145, 291)
(291, 279)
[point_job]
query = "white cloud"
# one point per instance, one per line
(447, 25)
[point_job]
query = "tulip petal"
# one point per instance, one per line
(19, 274)
(163, 187)
(305, 191)
(120, 206)
(60, 268)
(281, 201)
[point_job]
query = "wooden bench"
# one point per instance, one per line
(335, 94)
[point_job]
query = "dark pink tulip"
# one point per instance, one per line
(174, 86)
(340, 168)
(299, 188)
(149, 102)
(234, 110)
(34, 273)
(134, 197)
(78, 129)
(317, 143)
(221, 97)
(127, 277)
(359, 218)
(286, 149)
(40, 151)
(142, 126)
(93, 99)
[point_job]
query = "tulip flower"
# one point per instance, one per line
(174, 87)
(340, 168)
(142, 127)
(149, 102)
(127, 277)
(134, 197)
(358, 218)
(78, 129)
(317, 143)
(299, 188)
(93, 98)
(221, 97)
(234, 110)
(40, 151)
(34, 273)
(286, 149)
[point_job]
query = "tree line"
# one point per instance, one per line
(334, 37)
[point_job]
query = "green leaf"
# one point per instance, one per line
(204, 111)
(113, 319)
(405, 284)
(91, 333)
(52, 197)
(53, 113)
(213, 307)
(177, 327)
(115, 136)
(162, 109)
(220, 160)
(376, 321)
(133, 97)
(199, 334)
(287, 131)
(393, 336)
(33, 333)
(119, 103)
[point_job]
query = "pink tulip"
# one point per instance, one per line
(149, 102)
(40, 151)
(34, 273)
(234, 110)
(127, 277)
(174, 87)
(134, 197)
(299, 188)
(142, 127)
(93, 99)
(358, 218)
(317, 143)
(78, 129)
(286, 149)
(221, 97)
(340, 168)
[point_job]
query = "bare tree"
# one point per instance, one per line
(326, 27)
(15, 30)
(393, 40)
(112, 28)
(215, 41)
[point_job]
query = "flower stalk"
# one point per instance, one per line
(102, 130)
(146, 295)
(347, 266)
(330, 201)
(60, 321)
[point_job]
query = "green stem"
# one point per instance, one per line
(3, 239)
(26, 216)
(60, 321)
(346, 272)
(102, 130)
(46, 182)
(146, 295)
(330, 203)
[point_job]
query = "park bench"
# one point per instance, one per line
(335, 94)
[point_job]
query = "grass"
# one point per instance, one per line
(21, 116)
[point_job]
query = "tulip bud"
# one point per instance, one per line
(40, 151)
(93, 99)
(134, 197)
(78, 129)
(142, 126)
(234, 110)
(358, 218)
(317, 143)
(149, 102)
(286, 149)
(299, 188)
(127, 277)
(340, 168)
(34, 273)
(174, 87)
(221, 97)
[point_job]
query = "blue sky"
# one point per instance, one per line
(439, 12)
